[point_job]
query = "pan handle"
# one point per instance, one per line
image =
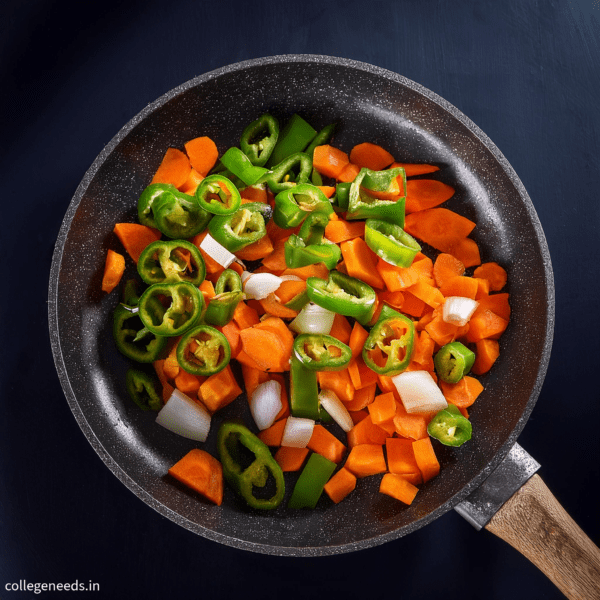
(517, 506)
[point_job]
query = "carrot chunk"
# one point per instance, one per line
(494, 273)
(340, 485)
(422, 194)
(326, 444)
(329, 161)
(203, 154)
(366, 459)
(401, 456)
(398, 487)
(290, 459)
(426, 459)
(438, 227)
(174, 168)
(135, 237)
(201, 472)
(371, 156)
(219, 390)
(114, 267)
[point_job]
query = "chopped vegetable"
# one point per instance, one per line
(183, 416)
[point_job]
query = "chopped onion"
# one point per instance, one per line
(297, 432)
(183, 416)
(260, 285)
(216, 251)
(245, 275)
(313, 319)
(336, 409)
(419, 392)
(458, 310)
(265, 403)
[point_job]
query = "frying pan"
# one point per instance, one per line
(368, 104)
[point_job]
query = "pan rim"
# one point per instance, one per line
(141, 492)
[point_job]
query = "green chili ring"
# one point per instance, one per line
(218, 195)
(203, 351)
(141, 388)
(453, 361)
(160, 263)
(321, 352)
(259, 138)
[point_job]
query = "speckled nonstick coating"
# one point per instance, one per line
(369, 104)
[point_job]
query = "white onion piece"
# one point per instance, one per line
(183, 416)
(216, 251)
(260, 285)
(458, 310)
(336, 409)
(245, 275)
(419, 392)
(265, 403)
(313, 319)
(297, 432)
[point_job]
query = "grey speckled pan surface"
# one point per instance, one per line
(368, 104)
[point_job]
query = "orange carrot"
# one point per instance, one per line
(371, 156)
(362, 398)
(254, 193)
(114, 267)
(203, 154)
(383, 409)
(274, 307)
(244, 316)
(338, 382)
(446, 267)
(466, 250)
(191, 183)
(366, 459)
(483, 288)
(257, 250)
(201, 472)
(290, 459)
(136, 237)
(400, 456)
(275, 261)
(358, 416)
(340, 485)
(465, 287)
(398, 487)
(358, 337)
(438, 227)
(412, 169)
(410, 426)
(167, 388)
(411, 305)
(366, 432)
(187, 383)
(349, 173)
(463, 393)
(361, 375)
(208, 290)
(219, 390)
(317, 270)
(174, 168)
(341, 329)
(328, 190)
(264, 347)
(441, 332)
(485, 324)
(427, 293)
(487, 351)
(361, 262)
(329, 161)
(494, 273)
(422, 194)
(339, 230)
(232, 332)
(326, 444)
(285, 405)
(252, 379)
(426, 459)
(423, 352)
(273, 435)
(244, 359)
(497, 303)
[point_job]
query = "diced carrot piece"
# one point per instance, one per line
(383, 409)
(244, 316)
(167, 388)
(328, 190)
(136, 237)
(252, 379)
(465, 287)
(358, 337)
(203, 154)
(494, 273)
(400, 456)
(257, 250)
(192, 182)
(114, 267)
(339, 230)
(326, 444)
(338, 382)
(340, 485)
(187, 383)
(398, 487)
(366, 459)
(289, 290)
(466, 250)
(253, 193)
(410, 426)
(349, 173)
(422, 194)
(275, 261)
(341, 329)
(274, 307)
(266, 349)
(446, 267)
(208, 289)
(174, 168)
(212, 266)
(366, 432)
(290, 459)
(497, 303)
(439, 227)
(464, 393)
(219, 390)
(412, 169)
(362, 398)
(423, 351)
(426, 458)
(372, 156)
(441, 332)
(485, 324)
(413, 306)
(361, 262)
(427, 293)
(317, 270)
(202, 472)
(487, 351)
(273, 435)
(329, 161)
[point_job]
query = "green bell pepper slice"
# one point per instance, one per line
(389, 346)
(364, 205)
(296, 135)
(218, 195)
(284, 176)
(173, 213)
(259, 138)
(165, 261)
(247, 463)
(390, 242)
(344, 295)
(450, 427)
(183, 312)
(293, 205)
(312, 480)
(141, 388)
(453, 361)
(228, 294)
(308, 247)
(132, 337)
(241, 166)
(320, 352)
(243, 227)
(322, 138)
(304, 391)
(342, 195)
(203, 351)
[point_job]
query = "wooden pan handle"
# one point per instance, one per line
(535, 524)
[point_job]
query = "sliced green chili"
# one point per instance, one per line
(203, 351)
(169, 261)
(218, 195)
(259, 138)
(390, 242)
(141, 388)
(453, 361)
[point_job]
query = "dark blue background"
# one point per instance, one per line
(527, 73)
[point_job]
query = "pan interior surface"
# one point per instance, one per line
(367, 104)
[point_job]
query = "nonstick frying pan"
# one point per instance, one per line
(368, 104)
